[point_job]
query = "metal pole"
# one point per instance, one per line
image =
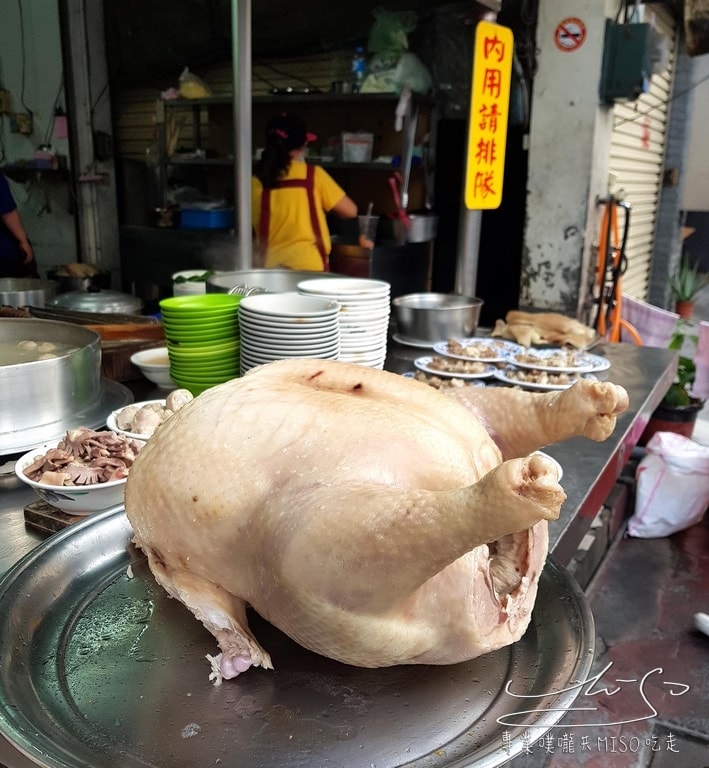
(241, 105)
(466, 269)
(468, 255)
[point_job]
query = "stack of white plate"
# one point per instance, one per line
(275, 326)
(364, 315)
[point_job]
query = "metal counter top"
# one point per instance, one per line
(590, 469)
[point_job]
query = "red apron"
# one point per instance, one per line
(265, 215)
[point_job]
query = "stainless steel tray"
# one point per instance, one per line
(103, 669)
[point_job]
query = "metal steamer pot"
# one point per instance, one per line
(26, 291)
(270, 280)
(38, 397)
(99, 301)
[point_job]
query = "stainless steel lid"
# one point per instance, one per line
(98, 301)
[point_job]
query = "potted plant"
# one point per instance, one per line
(678, 410)
(685, 284)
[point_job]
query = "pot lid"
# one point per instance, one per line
(98, 301)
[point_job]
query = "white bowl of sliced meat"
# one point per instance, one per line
(140, 420)
(83, 473)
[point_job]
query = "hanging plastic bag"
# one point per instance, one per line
(392, 66)
(192, 86)
(672, 491)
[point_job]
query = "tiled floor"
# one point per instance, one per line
(650, 707)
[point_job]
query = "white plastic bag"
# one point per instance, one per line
(672, 489)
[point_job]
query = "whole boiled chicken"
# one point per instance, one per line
(372, 518)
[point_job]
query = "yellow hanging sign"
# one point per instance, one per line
(489, 111)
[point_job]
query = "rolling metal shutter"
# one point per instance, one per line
(637, 157)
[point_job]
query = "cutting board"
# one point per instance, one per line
(48, 519)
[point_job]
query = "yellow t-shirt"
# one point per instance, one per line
(291, 240)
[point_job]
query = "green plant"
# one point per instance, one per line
(684, 340)
(687, 281)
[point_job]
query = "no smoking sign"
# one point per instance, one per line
(569, 34)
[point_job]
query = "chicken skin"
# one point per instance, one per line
(370, 517)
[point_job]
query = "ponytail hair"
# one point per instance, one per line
(273, 164)
(284, 133)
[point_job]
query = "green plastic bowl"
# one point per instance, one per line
(199, 302)
(203, 350)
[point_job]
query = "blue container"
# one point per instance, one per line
(218, 218)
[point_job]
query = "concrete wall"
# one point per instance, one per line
(696, 187)
(568, 158)
(31, 70)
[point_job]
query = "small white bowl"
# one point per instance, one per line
(190, 286)
(74, 500)
(559, 468)
(111, 422)
(154, 364)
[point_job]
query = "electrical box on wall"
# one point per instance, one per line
(625, 73)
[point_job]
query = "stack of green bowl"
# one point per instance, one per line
(202, 335)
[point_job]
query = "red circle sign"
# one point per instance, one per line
(570, 34)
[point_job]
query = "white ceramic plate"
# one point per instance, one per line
(412, 342)
(295, 331)
(346, 287)
(287, 339)
(507, 375)
(374, 346)
(424, 364)
(289, 321)
(293, 305)
(274, 353)
(363, 355)
(376, 313)
(495, 350)
(471, 383)
(545, 360)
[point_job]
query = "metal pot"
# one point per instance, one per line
(37, 397)
(271, 280)
(99, 301)
(423, 229)
(26, 291)
(431, 317)
(67, 283)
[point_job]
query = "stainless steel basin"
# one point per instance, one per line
(271, 280)
(39, 394)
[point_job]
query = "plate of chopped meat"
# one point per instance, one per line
(558, 360)
(481, 348)
(461, 369)
(531, 378)
(442, 382)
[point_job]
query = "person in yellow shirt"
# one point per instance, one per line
(290, 199)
